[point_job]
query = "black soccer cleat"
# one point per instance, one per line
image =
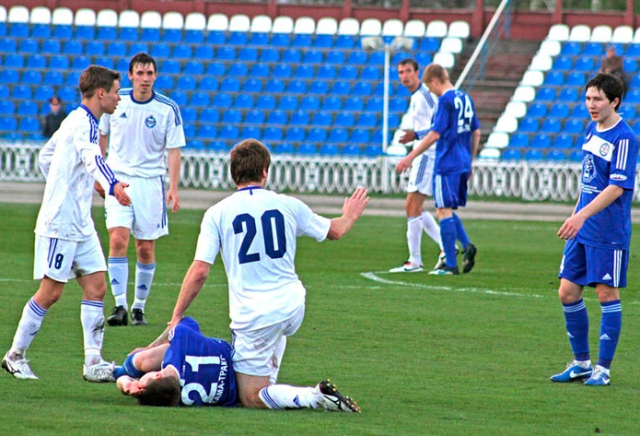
(118, 317)
(332, 400)
(137, 317)
(469, 257)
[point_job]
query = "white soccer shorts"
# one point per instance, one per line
(255, 350)
(146, 217)
(421, 175)
(62, 260)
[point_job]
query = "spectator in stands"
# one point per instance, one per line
(54, 118)
(613, 64)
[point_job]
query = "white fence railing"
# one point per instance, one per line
(531, 181)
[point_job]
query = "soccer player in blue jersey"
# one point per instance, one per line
(181, 367)
(457, 130)
(255, 232)
(598, 232)
(423, 107)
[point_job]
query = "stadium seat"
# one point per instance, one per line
(307, 148)
(511, 154)
(317, 134)
(550, 125)
(302, 41)
(573, 125)
(345, 119)
(351, 150)
(541, 140)
(272, 133)
(8, 45)
(248, 54)
(189, 114)
(161, 50)
(373, 150)
(310, 103)
(546, 94)
(280, 71)
(117, 49)
(21, 92)
(230, 84)
(341, 88)
(244, 101)
(278, 118)
(367, 119)
(628, 112)
(252, 86)
(14, 61)
(73, 47)
(568, 95)
(563, 141)
(537, 110)
(9, 124)
(281, 39)
(580, 111)
(292, 56)
(232, 116)
(519, 140)
(9, 76)
(299, 118)
(199, 99)
(27, 109)
(313, 57)
(104, 61)
(576, 79)
(207, 131)
(138, 47)
(296, 134)
(274, 86)
(326, 72)
(43, 93)
(186, 83)
(584, 63)
(571, 48)
(209, 115)
(319, 88)
(226, 54)
(222, 100)
(259, 39)
(559, 110)
(354, 103)
(329, 150)
(533, 155)
(332, 103)
(288, 103)
(266, 102)
(33, 78)
(304, 72)
(179, 97)
(360, 136)
(529, 125)
(50, 46)
(254, 116)
(269, 55)
(54, 78)
(216, 69)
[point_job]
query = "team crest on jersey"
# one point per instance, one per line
(588, 168)
(150, 122)
(604, 149)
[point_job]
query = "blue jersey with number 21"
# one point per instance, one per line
(204, 364)
(454, 121)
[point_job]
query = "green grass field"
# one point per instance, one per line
(422, 355)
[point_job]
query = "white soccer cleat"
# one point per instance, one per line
(407, 267)
(101, 372)
(19, 368)
(442, 261)
(334, 401)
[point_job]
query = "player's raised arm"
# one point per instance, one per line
(191, 287)
(351, 210)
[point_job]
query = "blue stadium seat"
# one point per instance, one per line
(8, 45)
(592, 49)
(218, 146)
(423, 58)
(374, 104)
(164, 83)
(398, 105)
(21, 92)
(200, 99)
(9, 76)
(189, 114)
(323, 41)
(4, 92)
(277, 117)
(296, 134)
(533, 155)
(628, 112)
(291, 56)
(85, 32)
(326, 72)
(584, 63)
(332, 103)
(358, 58)
(117, 48)
(367, 119)
(345, 41)
(399, 56)
(580, 111)
(69, 94)
(573, 125)
(341, 88)
(430, 44)
(266, 102)
(559, 110)
(232, 116)
(519, 140)
(107, 33)
(222, 100)
(373, 150)
(262, 71)
(550, 125)
(568, 95)
(94, 48)
(633, 96)
(316, 134)
(252, 85)
(29, 124)
(72, 79)
(28, 109)
(288, 103)
(302, 40)
(195, 144)
(189, 130)
(203, 53)
(322, 118)
(345, 119)
(329, 149)
(251, 132)
(299, 118)
(43, 93)
(193, 67)
(370, 73)
(571, 48)
(209, 115)
(50, 46)
(36, 62)
(284, 148)
(179, 97)
(207, 131)
(237, 38)
(128, 34)
(41, 31)
(62, 31)
(338, 135)
(307, 149)
(216, 69)
(351, 150)
(362, 88)
(636, 128)
(529, 125)
(172, 36)
(562, 63)
(310, 103)
(33, 78)
(354, 103)
(259, 38)
(229, 132)
(360, 136)
(138, 47)
(335, 57)
(29, 45)
(541, 140)
(104, 61)
(19, 30)
(546, 94)
(269, 55)
(226, 54)
(563, 141)
(348, 72)
(377, 58)
(186, 83)
(274, 86)
(254, 116)
(80, 63)
(161, 50)
(281, 40)
(575, 156)
(554, 78)
(319, 87)
(272, 133)
(313, 57)
(244, 101)
(7, 123)
(393, 121)
(511, 154)
(14, 61)
(579, 141)
(194, 36)
(304, 72)
(630, 66)
(576, 79)
(248, 54)
(537, 110)
(281, 71)
(230, 84)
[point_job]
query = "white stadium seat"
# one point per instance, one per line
(392, 27)
(437, 29)
(349, 26)
(459, 29)
(636, 36)
(415, 29)
(129, 18)
(62, 17)
(580, 33)
(172, 20)
(446, 60)
(489, 153)
(327, 26)
(370, 27)
(506, 124)
(195, 21)
(558, 32)
(218, 23)
(107, 18)
(3, 14)
(541, 63)
(40, 15)
(282, 24)
(261, 23)
(150, 20)
(622, 34)
(451, 45)
(498, 140)
(516, 109)
(550, 48)
(524, 94)
(18, 14)
(532, 78)
(239, 23)
(304, 25)
(601, 33)
(85, 17)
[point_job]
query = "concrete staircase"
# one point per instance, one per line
(504, 70)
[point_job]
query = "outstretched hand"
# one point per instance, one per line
(355, 205)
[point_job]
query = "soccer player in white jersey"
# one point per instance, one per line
(144, 126)
(422, 109)
(255, 231)
(598, 232)
(67, 245)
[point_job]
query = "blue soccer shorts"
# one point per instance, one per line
(450, 191)
(587, 266)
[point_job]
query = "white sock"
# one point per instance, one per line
(92, 318)
(414, 239)
(583, 363)
(119, 277)
(144, 278)
(431, 228)
(289, 397)
(277, 360)
(30, 322)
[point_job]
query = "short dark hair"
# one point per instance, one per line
(96, 77)
(410, 61)
(611, 85)
(164, 392)
(248, 159)
(144, 59)
(55, 98)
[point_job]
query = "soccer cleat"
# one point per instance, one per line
(599, 377)
(407, 267)
(445, 271)
(442, 261)
(137, 317)
(334, 401)
(18, 368)
(572, 373)
(118, 317)
(469, 257)
(99, 373)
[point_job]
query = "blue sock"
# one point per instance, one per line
(461, 233)
(577, 322)
(610, 326)
(448, 235)
(127, 368)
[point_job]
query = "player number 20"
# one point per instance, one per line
(275, 240)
